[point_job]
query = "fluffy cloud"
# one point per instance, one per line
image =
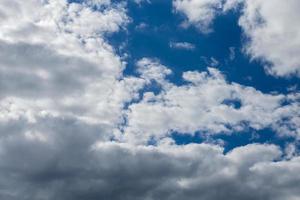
(152, 70)
(208, 103)
(272, 29)
(63, 65)
(64, 104)
(200, 13)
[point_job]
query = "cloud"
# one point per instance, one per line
(121, 171)
(209, 104)
(232, 53)
(182, 45)
(198, 12)
(273, 32)
(64, 65)
(142, 1)
(272, 29)
(141, 27)
(151, 69)
(70, 119)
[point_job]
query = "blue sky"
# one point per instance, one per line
(149, 99)
(163, 26)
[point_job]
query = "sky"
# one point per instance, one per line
(149, 99)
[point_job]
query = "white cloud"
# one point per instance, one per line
(141, 27)
(207, 103)
(142, 1)
(199, 12)
(151, 69)
(182, 45)
(64, 99)
(97, 2)
(64, 64)
(272, 28)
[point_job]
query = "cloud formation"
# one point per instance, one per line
(209, 104)
(63, 60)
(73, 126)
(121, 171)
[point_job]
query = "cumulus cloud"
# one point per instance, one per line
(272, 29)
(151, 69)
(210, 104)
(200, 13)
(70, 119)
(64, 65)
(121, 171)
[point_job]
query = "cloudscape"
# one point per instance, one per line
(149, 99)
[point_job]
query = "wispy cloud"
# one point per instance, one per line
(182, 45)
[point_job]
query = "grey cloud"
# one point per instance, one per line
(21, 64)
(71, 169)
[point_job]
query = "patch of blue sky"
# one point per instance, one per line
(233, 140)
(155, 25)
